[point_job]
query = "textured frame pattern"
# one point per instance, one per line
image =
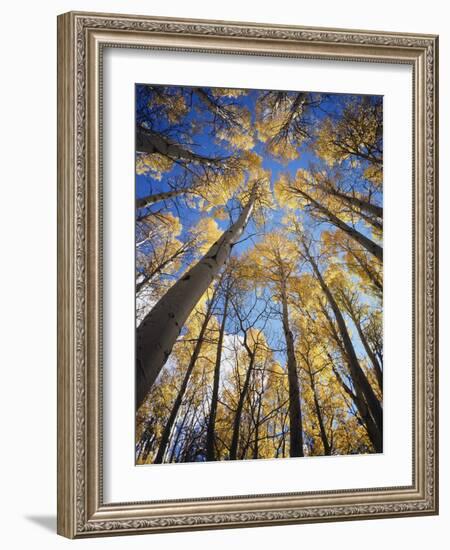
(81, 37)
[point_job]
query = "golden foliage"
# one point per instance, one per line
(270, 274)
(155, 165)
(206, 232)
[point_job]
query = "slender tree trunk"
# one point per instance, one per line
(144, 202)
(323, 433)
(159, 330)
(257, 426)
(284, 444)
(179, 399)
(358, 376)
(180, 429)
(368, 207)
(144, 282)
(153, 142)
(245, 446)
(279, 439)
(240, 406)
(357, 396)
(222, 113)
(364, 241)
(295, 412)
(371, 274)
(291, 122)
(373, 432)
(211, 429)
(376, 224)
(373, 359)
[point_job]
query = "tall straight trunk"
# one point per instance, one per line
(284, 445)
(224, 113)
(370, 353)
(257, 426)
(180, 429)
(362, 204)
(144, 202)
(366, 268)
(160, 328)
(240, 407)
(323, 433)
(179, 399)
(151, 142)
(373, 432)
(245, 447)
(291, 121)
(211, 429)
(376, 224)
(372, 247)
(295, 411)
(358, 376)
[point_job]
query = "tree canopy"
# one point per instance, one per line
(259, 274)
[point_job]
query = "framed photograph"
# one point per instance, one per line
(247, 277)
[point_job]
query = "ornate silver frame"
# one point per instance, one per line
(81, 38)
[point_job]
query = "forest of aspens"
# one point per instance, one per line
(259, 274)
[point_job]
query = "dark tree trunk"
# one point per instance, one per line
(149, 276)
(370, 353)
(364, 241)
(257, 425)
(366, 268)
(371, 220)
(367, 206)
(239, 409)
(179, 399)
(220, 112)
(362, 385)
(211, 429)
(323, 433)
(180, 429)
(295, 412)
(372, 430)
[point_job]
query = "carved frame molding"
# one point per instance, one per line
(81, 39)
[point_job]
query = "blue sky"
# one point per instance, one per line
(331, 105)
(204, 144)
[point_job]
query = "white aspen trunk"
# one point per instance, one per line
(158, 197)
(152, 142)
(159, 330)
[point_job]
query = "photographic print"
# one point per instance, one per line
(247, 232)
(259, 274)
